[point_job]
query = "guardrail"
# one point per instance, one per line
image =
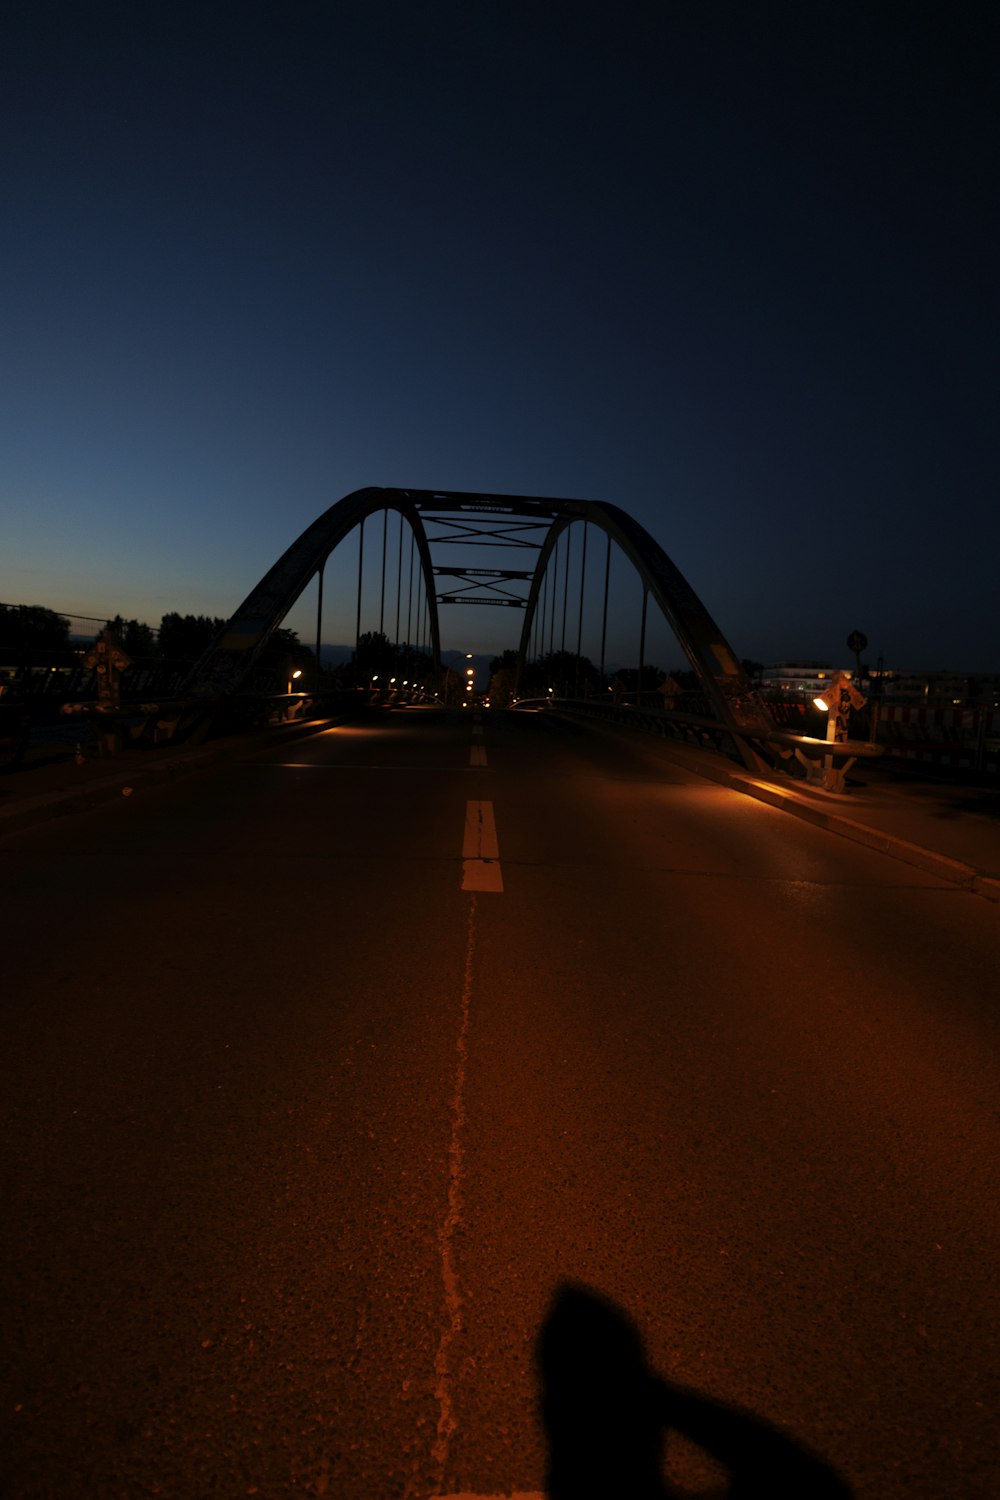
(822, 763)
(142, 721)
(184, 721)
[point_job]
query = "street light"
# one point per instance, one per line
(837, 704)
(294, 676)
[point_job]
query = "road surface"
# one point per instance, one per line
(343, 1082)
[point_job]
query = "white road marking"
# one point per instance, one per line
(480, 838)
(477, 729)
(477, 755)
(480, 850)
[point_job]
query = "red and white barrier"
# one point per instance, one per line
(953, 736)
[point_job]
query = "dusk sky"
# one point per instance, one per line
(732, 267)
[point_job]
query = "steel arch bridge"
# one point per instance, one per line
(530, 524)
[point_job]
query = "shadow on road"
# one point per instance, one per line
(610, 1421)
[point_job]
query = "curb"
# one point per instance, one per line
(790, 801)
(942, 865)
(30, 811)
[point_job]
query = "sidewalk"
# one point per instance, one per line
(951, 830)
(53, 783)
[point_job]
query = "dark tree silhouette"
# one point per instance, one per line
(32, 627)
(185, 637)
(136, 639)
(569, 675)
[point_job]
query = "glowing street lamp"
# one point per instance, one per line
(836, 704)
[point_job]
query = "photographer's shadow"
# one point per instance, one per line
(609, 1420)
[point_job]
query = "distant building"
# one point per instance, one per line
(801, 678)
(939, 689)
(806, 679)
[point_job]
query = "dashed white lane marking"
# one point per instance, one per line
(477, 729)
(477, 755)
(480, 849)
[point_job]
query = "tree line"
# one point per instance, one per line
(29, 628)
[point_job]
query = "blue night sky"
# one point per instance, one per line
(730, 266)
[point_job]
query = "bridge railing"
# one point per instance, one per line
(692, 724)
(820, 762)
(138, 725)
(58, 677)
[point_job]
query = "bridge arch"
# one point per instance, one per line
(504, 521)
(232, 654)
(719, 670)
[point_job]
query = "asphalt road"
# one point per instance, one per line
(342, 1083)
